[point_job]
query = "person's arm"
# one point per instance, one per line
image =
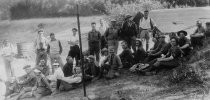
(60, 46)
(166, 59)
(27, 80)
(119, 62)
(99, 37)
(46, 82)
(48, 49)
(186, 45)
(106, 34)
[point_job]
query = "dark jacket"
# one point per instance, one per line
(68, 69)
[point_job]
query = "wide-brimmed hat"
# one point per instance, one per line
(37, 71)
(91, 57)
(56, 64)
(113, 20)
(185, 33)
(127, 17)
(104, 50)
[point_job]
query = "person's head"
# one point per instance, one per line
(127, 17)
(41, 33)
(91, 59)
(139, 43)
(146, 13)
(104, 51)
(42, 62)
(56, 65)
(27, 68)
(74, 30)
(124, 45)
(182, 34)
(52, 35)
(69, 60)
(199, 23)
(37, 72)
(173, 41)
(113, 23)
(161, 38)
(93, 25)
(111, 51)
(101, 22)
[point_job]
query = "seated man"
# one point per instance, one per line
(153, 54)
(91, 70)
(184, 43)
(61, 81)
(126, 55)
(114, 63)
(140, 53)
(43, 67)
(198, 36)
(171, 60)
(42, 86)
(68, 67)
(156, 42)
(28, 83)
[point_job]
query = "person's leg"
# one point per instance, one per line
(59, 59)
(37, 58)
(97, 52)
(8, 69)
(52, 60)
(116, 44)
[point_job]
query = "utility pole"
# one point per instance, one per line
(81, 55)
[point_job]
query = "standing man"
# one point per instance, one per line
(74, 51)
(54, 49)
(146, 25)
(40, 45)
(207, 33)
(198, 36)
(111, 36)
(94, 38)
(102, 30)
(8, 52)
(129, 32)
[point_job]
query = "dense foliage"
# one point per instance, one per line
(18, 9)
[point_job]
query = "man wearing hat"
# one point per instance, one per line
(162, 48)
(198, 36)
(28, 83)
(114, 63)
(129, 32)
(42, 86)
(54, 50)
(184, 43)
(111, 35)
(94, 42)
(146, 26)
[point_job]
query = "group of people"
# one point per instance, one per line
(102, 60)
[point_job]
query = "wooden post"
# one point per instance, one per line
(81, 55)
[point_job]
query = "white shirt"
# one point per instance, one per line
(2, 90)
(102, 29)
(145, 23)
(58, 74)
(74, 40)
(41, 40)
